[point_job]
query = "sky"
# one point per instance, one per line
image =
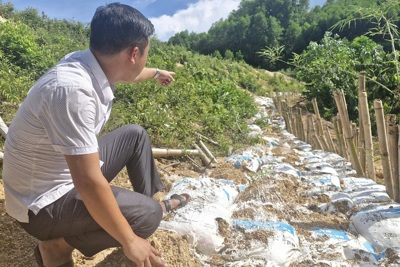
(168, 16)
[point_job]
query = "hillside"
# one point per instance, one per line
(270, 200)
(275, 203)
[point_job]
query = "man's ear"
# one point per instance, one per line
(133, 53)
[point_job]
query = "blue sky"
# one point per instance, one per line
(168, 16)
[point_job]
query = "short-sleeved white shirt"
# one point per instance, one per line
(61, 115)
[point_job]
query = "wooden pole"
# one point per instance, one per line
(366, 121)
(393, 140)
(383, 147)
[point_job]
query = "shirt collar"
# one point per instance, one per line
(105, 87)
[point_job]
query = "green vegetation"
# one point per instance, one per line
(211, 96)
(322, 49)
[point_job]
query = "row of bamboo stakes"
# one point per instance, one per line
(343, 137)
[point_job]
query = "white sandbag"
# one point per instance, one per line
(320, 168)
(255, 131)
(210, 199)
(329, 182)
(312, 159)
(370, 195)
(347, 246)
(266, 102)
(271, 141)
(200, 228)
(247, 161)
(285, 168)
(380, 226)
(351, 183)
(339, 202)
(281, 248)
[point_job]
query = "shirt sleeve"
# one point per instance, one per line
(69, 115)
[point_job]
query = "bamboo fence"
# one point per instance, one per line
(344, 137)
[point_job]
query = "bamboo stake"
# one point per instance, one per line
(393, 140)
(366, 121)
(361, 144)
(339, 99)
(339, 136)
(398, 160)
(293, 123)
(314, 138)
(208, 139)
(300, 124)
(320, 131)
(3, 128)
(383, 147)
(203, 156)
(331, 145)
(355, 134)
(286, 117)
(161, 152)
(344, 105)
(278, 104)
(309, 136)
(203, 146)
(346, 152)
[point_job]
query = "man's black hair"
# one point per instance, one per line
(116, 26)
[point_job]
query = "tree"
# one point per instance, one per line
(334, 64)
(384, 16)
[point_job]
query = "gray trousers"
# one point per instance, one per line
(68, 217)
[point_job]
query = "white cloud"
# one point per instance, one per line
(141, 4)
(197, 18)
